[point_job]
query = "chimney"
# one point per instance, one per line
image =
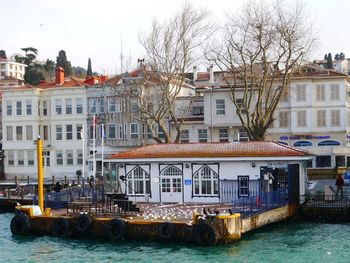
(211, 74)
(194, 73)
(59, 76)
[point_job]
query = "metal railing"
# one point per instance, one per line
(251, 205)
(322, 200)
(61, 199)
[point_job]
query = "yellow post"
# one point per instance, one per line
(40, 174)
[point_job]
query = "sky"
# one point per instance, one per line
(95, 29)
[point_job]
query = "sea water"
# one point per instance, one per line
(284, 242)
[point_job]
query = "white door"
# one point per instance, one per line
(171, 184)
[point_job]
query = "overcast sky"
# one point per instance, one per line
(86, 28)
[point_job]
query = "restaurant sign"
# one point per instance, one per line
(305, 137)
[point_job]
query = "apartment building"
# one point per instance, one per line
(10, 68)
(57, 112)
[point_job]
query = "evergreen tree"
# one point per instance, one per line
(325, 57)
(329, 61)
(89, 69)
(3, 54)
(341, 56)
(61, 61)
(336, 57)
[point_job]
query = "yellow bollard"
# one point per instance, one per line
(40, 174)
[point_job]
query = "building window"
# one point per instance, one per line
(92, 105)
(205, 181)
(19, 133)
(284, 119)
(340, 161)
(198, 110)
(120, 131)
(138, 181)
(134, 107)
(30, 155)
(79, 106)
(134, 130)
(184, 136)
(220, 107)
(335, 118)
(303, 144)
(301, 92)
(59, 158)
(45, 108)
(334, 92)
(243, 135)
(79, 127)
(8, 108)
(301, 118)
(160, 133)
(125, 131)
(321, 118)
(18, 107)
(46, 132)
(79, 157)
(28, 107)
(29, 132)
(69, 132)
(11, 158)
(69, 157)
(320, 93)
(243, 186)
(323, 161)
(68, 106)
(329, 143)
(9, 133)
(202, 135)
(58, 132)
(101, 104)
(111, 104)
(240, 106)
(112, 130)
(20, 158)
(58, 106)
(223, 134)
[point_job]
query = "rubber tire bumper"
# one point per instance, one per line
(82, 225)
(116, 229)
(61, 228)
(204, 235)
(166, 230)
(21, 225)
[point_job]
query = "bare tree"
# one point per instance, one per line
(261, 48)
(171, 47)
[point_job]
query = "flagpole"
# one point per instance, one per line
(102, 150)
(94, 146)
(83, 141)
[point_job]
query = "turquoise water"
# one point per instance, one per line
(285, 242)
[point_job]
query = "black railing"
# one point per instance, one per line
(251, 205)
(322, 200)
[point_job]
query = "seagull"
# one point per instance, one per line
(230, 211)
(41, 24)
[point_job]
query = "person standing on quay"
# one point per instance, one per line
(340, 184)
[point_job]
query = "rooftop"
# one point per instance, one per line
(193, 150)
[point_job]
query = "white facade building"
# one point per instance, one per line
(56, 112)
(10, 68)
(209, 173)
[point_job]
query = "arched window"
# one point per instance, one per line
(329, 143)
(205, 181)
(138, 182)
(284, 143)
(302, 143)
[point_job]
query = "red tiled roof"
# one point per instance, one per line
(207, 150)
(73, 82)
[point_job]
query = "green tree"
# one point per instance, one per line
(336, 57)
(3, 54)
(341, 56)
(325, 57)
(89, 69)
(329, 64)
(61, 61)
(34, 70)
